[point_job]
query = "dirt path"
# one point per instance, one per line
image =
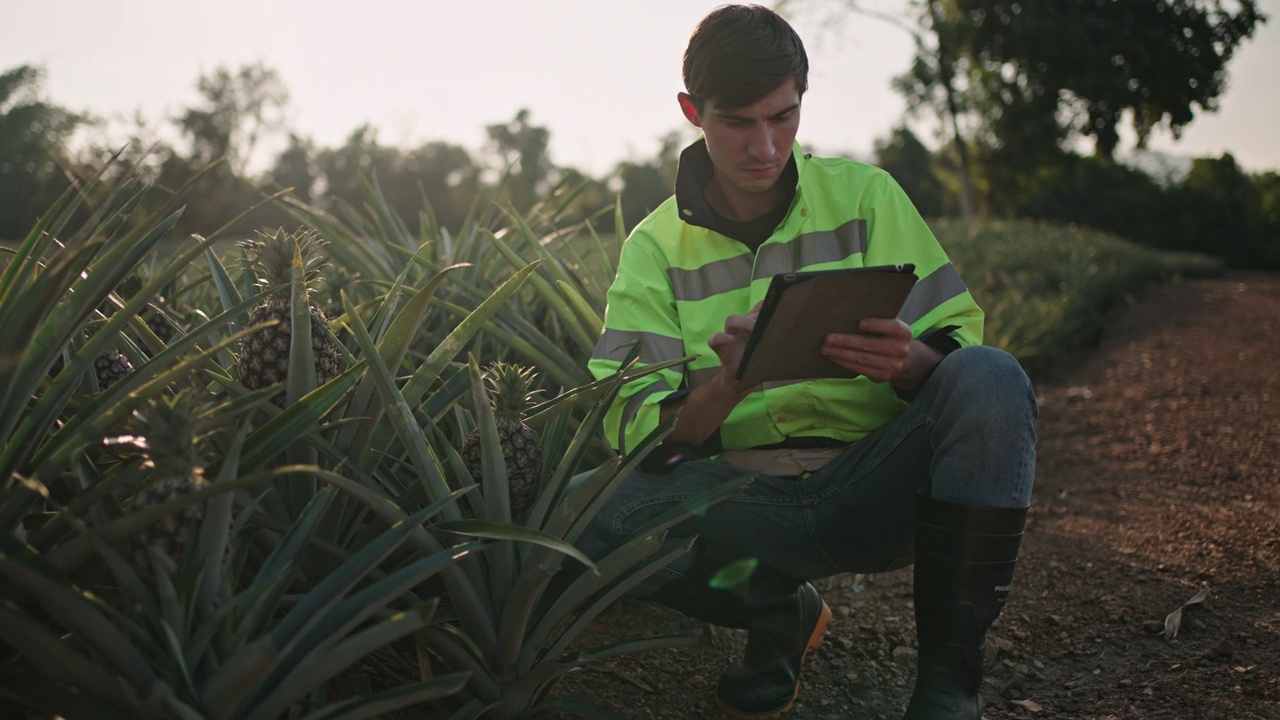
(1158, 478)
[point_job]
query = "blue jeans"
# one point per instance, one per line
(967, 437)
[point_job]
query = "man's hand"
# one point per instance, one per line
(879, 351)
(703, 410)
(730, 344)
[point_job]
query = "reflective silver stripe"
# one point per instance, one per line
(633, 406)
(616, 345)
(711, 279)
(931, 291)
(812, 248)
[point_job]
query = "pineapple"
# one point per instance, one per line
(511, 394)
(166, 433)
(264, 354)
(160, 324)
(111, 367)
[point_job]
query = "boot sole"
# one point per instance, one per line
(815, 639)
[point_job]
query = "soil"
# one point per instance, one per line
(1149, 581)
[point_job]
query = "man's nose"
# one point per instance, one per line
(761, 143)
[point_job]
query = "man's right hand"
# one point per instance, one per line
(703, 410)
(730, 345)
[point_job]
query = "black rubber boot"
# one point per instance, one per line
(963, 572)
(764, 684)
(785, 619)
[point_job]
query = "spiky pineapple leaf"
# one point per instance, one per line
(299, 419)
(379, 704)
(544, 288)
(431, 369)
(503, 531)
(54, 658)
(36, 577)
(591, 320)
(400, 415)
(301, 379)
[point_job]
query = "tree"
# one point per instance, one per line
(911, 164)
(33, 139)
(521, 151)
(439, 174)
(1038, 73)
(238, 109)
(296, 168)
(645, 185)
(930, 83)
(447, 177)
(1220, 212)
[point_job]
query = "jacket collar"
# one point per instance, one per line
(694, 172)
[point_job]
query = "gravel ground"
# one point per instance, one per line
(1157, 509)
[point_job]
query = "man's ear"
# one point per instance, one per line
(689, 109)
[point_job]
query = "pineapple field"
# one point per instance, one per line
(233, 471)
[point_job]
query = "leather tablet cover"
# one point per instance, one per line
(801, 309)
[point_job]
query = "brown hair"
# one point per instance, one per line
(740, 53)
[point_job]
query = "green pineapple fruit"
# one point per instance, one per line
(167, 433)
(264, 354)
(511, 392)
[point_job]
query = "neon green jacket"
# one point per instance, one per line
(678, 279)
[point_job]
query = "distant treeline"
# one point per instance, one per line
(1016, 166)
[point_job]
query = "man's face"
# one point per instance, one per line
(749, 146)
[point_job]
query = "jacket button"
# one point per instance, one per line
(804, 212)
(783, 417)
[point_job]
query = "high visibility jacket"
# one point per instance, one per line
(678, 279)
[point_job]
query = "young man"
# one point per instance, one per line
(927, 456)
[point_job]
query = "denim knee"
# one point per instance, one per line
(982, 411)
(984, 378)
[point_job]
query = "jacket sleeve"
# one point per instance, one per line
(940, 304)
(640, 321)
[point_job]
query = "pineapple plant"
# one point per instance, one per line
(166, 432)
(264, 354)
(511, 394)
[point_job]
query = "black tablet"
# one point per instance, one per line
(800, 309)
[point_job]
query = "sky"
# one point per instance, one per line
(601, 75)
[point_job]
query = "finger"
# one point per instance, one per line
(891, 327)
(722, 343)
(739, 324)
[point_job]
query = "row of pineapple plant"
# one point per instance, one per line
(285, 502)
(506, 622)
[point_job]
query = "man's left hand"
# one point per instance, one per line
(879, 351)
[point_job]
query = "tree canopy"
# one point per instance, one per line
(33, 137)
(1037, 73)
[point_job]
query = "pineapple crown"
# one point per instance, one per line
(168, 432)
(270, 258)
(511, 388)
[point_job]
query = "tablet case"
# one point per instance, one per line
(800, 309)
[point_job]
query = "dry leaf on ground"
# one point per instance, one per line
(1173, 621)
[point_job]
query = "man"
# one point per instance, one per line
(927, 456)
